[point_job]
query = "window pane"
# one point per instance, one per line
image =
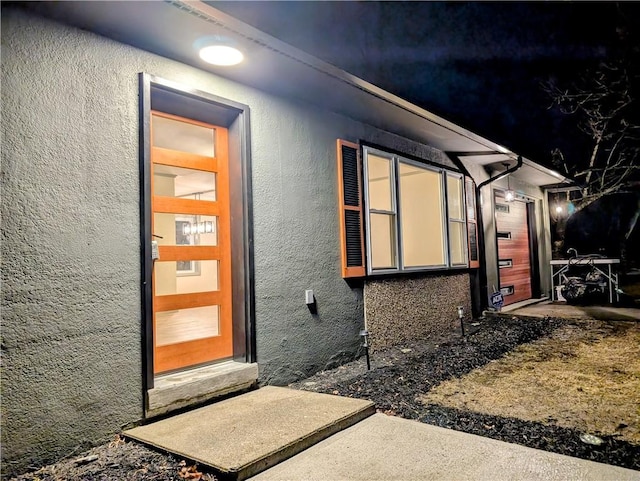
(185, 229)
(456, 242)
(379, 182)
(454, 197)
(185, 277)
(183, 136)
(185, 183)
(187, 325)
(382, 241)
(421, 216)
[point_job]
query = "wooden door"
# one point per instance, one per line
(192, 318)
(514, 259)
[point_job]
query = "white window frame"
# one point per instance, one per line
(395, 211)
(462, 220)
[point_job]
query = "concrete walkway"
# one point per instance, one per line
(568, 311)
(324, 437)
(388, 448)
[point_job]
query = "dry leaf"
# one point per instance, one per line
(117, 441)
(190, 473)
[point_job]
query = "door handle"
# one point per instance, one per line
(155, 252)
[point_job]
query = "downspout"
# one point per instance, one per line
(500, 175)
(364, 333)
(481, 243)
(474, 275)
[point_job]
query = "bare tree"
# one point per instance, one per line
(605, 104)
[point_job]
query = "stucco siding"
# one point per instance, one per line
(71, 266)
(70, 244)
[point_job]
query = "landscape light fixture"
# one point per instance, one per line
(461, 316)
(364, 334)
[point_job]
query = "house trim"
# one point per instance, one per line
(235, 117)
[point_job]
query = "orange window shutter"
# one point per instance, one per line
(472, 223)
(350, 209)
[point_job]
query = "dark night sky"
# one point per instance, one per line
(477, 64)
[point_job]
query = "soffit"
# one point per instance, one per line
(171, 28)
(530, 172)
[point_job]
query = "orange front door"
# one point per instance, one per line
(192, 318)
(514, 256)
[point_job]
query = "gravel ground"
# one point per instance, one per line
(397, 377)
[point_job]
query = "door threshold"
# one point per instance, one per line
(194, 386)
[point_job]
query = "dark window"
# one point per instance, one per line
(502, 263)
(473, 242)
(507, 290)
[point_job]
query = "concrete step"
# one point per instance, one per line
(246, 434)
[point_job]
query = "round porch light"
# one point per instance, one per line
(221, 55)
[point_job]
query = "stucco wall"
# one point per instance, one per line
(70, 244)
(71, 296)
(423, 307)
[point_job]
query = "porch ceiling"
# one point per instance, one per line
(172, 28)
(530, 172)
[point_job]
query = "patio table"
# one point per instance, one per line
(603, 265)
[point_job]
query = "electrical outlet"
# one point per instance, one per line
(309, 297)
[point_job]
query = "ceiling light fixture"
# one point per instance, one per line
(222, 55)
(509, 195)
(218, 50)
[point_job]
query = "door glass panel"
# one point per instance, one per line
(421, 216)
(382, 241)
(185, 277)
(183, 325)
(379, 182)
(189, 178)
(183, 136)
(186, 229)
(171, 181)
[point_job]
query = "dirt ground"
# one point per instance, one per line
(584, 376)
(541, 383)
(119, 460)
